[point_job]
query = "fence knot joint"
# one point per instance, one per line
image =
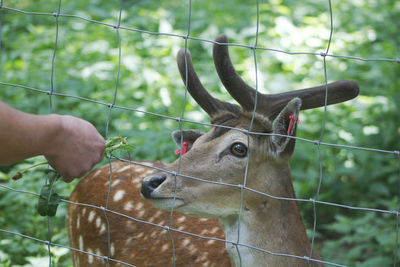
(322, 54)
(317, 142)
(106, 258)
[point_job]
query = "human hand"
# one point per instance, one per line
(75, 147)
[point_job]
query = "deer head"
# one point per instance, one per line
(222, 154)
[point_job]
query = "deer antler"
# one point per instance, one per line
(208, 103)
(268, 104)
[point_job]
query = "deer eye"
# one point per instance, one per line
(239, 150)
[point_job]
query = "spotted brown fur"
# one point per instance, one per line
(136, 243)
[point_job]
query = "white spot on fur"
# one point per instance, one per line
(69, 220)
(115, 164)
(112, 249)
(115, 183)
(90, 257)
(204, 257)
(139, 169)
(141, 213)
(127, 167)
(128, 206)
(119, 195)
(151, 219)
(98, 252)
(192, 249)
(158, 213)
(214, 230)
(102, 229)
(81, 242)
(84, 211)
(181, 219)
(96, 173)
(98, 222)
(185, 242)
(204, 232)
(91, 216)
(78, 221)
(76, 259)
(210, 242)
(128, 241)
(164, 247)
(140, 235)
(139, 206)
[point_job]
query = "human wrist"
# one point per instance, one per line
(52, 129)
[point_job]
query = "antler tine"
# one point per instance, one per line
(314, 97)
(208, 103)
(237, 88)
(271, 104)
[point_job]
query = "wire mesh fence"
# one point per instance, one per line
(111, 106)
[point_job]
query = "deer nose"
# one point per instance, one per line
(149, 186)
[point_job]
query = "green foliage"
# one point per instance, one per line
(49, 199)
(117, 143)
(86, 65)
(18, 213)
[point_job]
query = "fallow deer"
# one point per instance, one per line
(251, 159)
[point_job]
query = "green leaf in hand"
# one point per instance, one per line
(116, 143)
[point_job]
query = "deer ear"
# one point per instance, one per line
(189, 136)
(286, 124)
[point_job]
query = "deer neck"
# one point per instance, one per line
(268, 224)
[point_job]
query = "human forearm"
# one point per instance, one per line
(24, 135)
(71, 145)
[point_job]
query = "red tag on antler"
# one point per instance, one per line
(184, 149)
(291, 117)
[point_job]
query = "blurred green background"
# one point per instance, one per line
(86, 65)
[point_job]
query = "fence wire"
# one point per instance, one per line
(113, 106)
